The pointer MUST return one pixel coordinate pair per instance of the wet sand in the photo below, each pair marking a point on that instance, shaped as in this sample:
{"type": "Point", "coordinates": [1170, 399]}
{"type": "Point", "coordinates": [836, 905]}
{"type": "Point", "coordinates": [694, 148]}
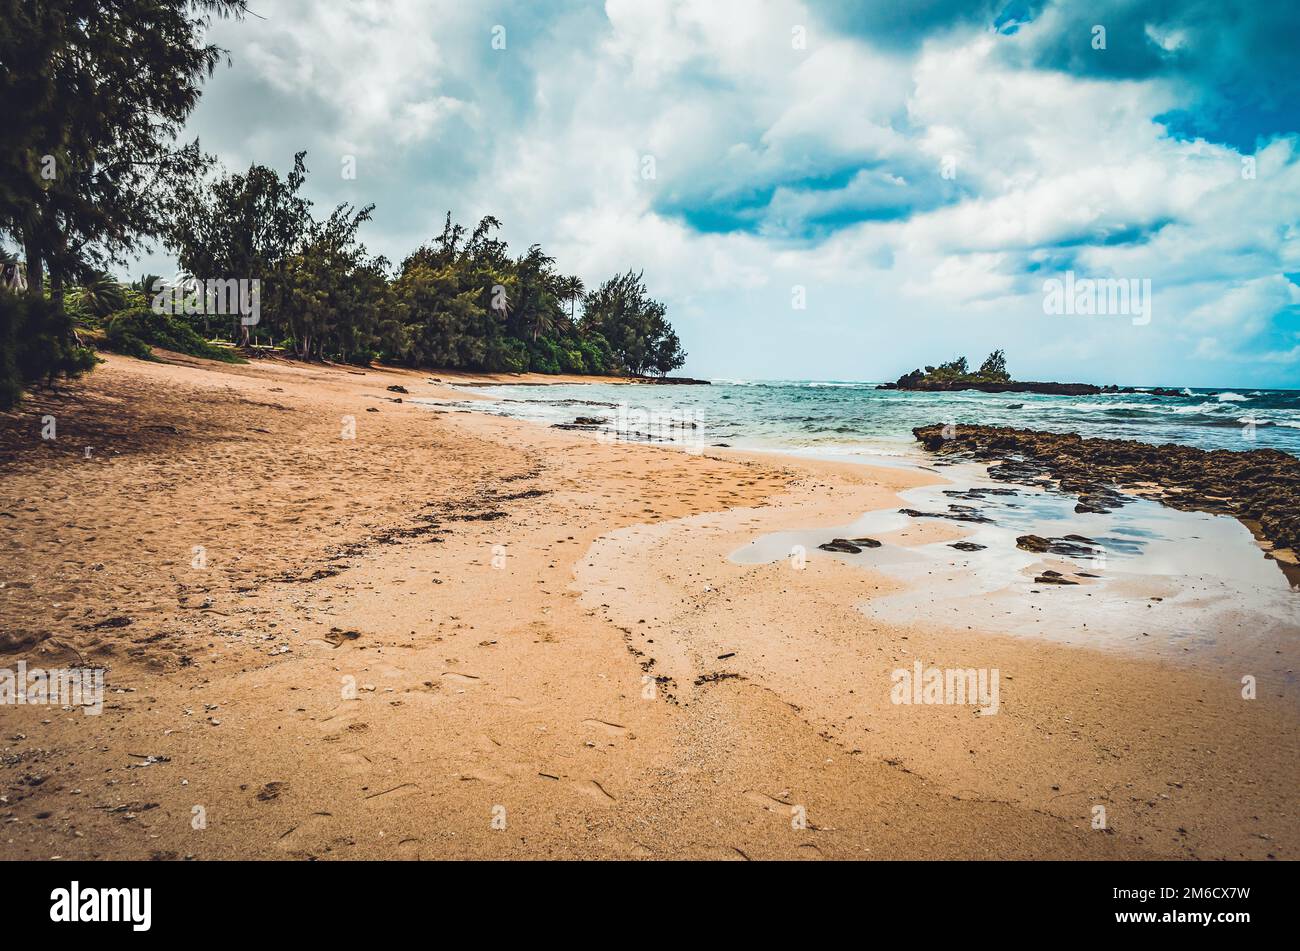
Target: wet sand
{"type": "Point", "coordinates": [459, 635]}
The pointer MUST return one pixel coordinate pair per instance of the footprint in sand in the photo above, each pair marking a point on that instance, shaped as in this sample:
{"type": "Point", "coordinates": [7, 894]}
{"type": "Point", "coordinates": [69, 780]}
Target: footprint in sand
{"type": "Point", "coordinates": [594, 789]}
{"type": "Point", "coordinates": [520, 704]}
{"type": "Point", "coordinates": [340, 720]}
{"type": "Point", "coordinates": [768, 803]}
{"type": "Point", "coordinates": [311, 832]}
{"type": "Point", "coordinates": [408, 850]}
{"type": "Point", "coordinates": [613, 729]}
{"type": "Point", "coordinates": [356, 762]}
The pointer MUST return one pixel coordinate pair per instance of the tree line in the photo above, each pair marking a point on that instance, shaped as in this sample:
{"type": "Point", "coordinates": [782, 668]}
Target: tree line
{"type": "Point", "coordinates": [92, 170]}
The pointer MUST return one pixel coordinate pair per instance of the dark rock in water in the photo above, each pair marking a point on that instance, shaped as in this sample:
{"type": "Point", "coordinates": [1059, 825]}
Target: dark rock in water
{"type": "Point", "coordinates": [1052, 577]}
{"type": "Point", "coordinates": [1096, 499]}
{"type": "Point", "coordinates": [1034, 543]}
{"type": "Point", "coordinates": [968, 546]}
{"type": "Point", "coordinates": [1019, 470]}
{"type": "Point", "coordinates": [841, 545]}
{"type": "Point", "coordinates": [1016, 406]}
{"type": "Point", "coordinates": [1069, 547]}
{"type": "Point", "coordinates": [849, 546]}
{"type": "Point", "coordinates": [586, 423]}
{"type": "Point", "coordinates": [1259, 486]}
{"type": "Point", "coordinates": [395, 388]}
{"type": "Point", "coordinates": [1086, 574]}
{"type": "Point", "coordinates": [958, 516]}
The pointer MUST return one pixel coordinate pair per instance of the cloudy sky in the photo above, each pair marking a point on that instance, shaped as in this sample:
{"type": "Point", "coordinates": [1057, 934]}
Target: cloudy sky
{"type": "Point", "coordinates": [918, 170]}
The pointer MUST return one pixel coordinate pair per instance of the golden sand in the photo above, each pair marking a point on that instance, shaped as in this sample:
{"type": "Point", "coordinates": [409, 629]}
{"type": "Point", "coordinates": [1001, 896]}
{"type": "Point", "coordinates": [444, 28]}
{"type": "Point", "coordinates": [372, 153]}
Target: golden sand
{"type": "Point", "coordinates": [433, 641]}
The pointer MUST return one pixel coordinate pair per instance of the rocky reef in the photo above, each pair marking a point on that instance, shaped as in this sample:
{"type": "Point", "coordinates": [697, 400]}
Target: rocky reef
{"type": "Point", "coordinates": [1261, 487]}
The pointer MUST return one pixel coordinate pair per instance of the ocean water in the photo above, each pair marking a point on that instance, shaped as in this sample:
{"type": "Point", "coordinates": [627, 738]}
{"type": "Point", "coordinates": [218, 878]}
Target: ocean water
{"type": "Point", "coordinates": [847, 418]}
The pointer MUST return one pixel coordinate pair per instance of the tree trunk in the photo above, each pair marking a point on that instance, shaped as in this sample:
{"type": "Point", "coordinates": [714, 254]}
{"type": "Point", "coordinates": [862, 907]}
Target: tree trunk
{"type": "Point", "coordinates": [35, 270]}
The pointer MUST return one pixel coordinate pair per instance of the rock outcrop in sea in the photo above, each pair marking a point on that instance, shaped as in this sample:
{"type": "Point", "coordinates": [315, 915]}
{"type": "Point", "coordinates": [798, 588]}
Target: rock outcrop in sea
{"type": "Point", "coordinates": [917, 380]}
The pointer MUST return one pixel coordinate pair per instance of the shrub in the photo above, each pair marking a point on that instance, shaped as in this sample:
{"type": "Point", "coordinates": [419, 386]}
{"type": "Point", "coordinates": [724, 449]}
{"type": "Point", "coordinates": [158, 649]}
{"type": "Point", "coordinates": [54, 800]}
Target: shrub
{"type": "Point", "coordinates": [36, 343]}
{"type": "Point", "coordinates": [505, 355]}
{"type": "Point", "coordinates": [134, 332]}
{"type": "Point", "coordinates": [596, 354]}
{"type": "Point", "coordinates": [543, 356]}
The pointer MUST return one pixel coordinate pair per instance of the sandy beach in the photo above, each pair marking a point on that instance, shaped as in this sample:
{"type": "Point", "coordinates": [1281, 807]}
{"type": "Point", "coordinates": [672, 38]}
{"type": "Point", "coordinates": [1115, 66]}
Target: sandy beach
{"type": "Point", "coordinates": [458, 635]}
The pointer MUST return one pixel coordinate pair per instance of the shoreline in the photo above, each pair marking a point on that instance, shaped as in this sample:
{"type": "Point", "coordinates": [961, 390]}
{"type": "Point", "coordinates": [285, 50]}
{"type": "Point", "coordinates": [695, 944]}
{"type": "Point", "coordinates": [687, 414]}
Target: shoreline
{"type": "Point", "coordinates": [521, 686]}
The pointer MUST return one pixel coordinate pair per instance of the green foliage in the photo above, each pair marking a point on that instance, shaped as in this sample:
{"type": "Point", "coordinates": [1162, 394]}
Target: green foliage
{"type": "Point", "coordinates": [459, 302]}
{"type": "Point", "coordinates": [597, 357]}
{"type": "Point", "coordinates": [96, 298]}
{"type": "Point", "coordinates": [92, 168]}
{"type": "Point", "coordinates": [95, 97]}
{"type": "Point", "coordinates": [994, 368]}
{"type": "Point", "coordinates": [135, 332]}
{"type": "Point", "coordinates": [463, 302]}
{"type": "Point", "coordinates": [633, 324]}
{"type": "Point", "coordinates": [103, 93]}
{"type": "Point", "coordinates": [95, 100]}
{"type": "Point", "coordinates": [36, 344]}
{"type": "Point", "coordinates": [952, 370]}
{"type": "Point", "coordinates": [335, 293]}
{"type": "Point", "coordinates": [245, 227]}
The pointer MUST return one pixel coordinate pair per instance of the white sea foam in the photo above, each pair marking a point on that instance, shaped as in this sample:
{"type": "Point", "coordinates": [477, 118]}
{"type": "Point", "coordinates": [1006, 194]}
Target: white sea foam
{"type": "Point", "coordinates": [1154, 407]}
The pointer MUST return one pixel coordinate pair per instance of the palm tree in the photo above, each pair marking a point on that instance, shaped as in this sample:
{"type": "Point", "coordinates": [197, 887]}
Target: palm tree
{"type": "Point", "coordinates": [543, 319]}
{"type": "Point", "coordinates": [102, 294]}
{"type": "Point", "coordinates": [146, 284]}
{"type": "Point", "coordinates": [570, 288]}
